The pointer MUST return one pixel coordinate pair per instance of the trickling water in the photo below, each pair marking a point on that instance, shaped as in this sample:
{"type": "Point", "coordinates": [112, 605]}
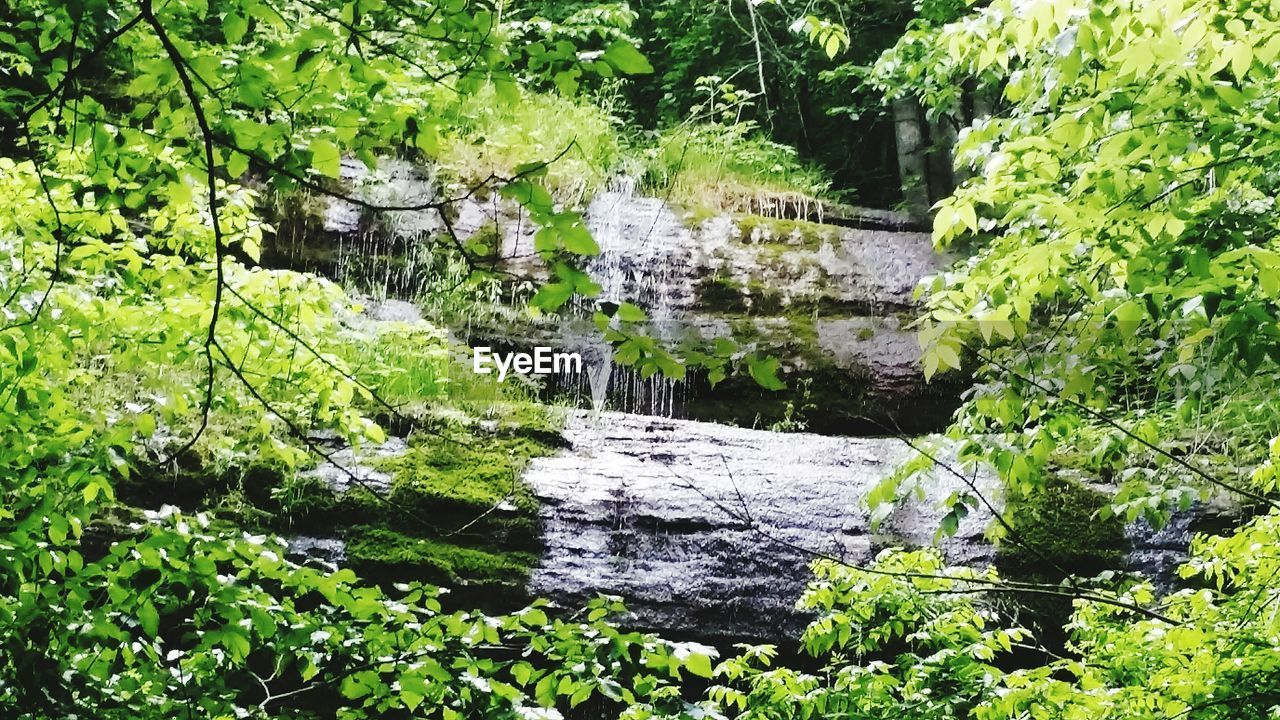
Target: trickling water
{"type": "Point", "coordinates": [380, 254]}
{"type": "Point", "coordinates": [670, 513]}
{"type": "Point", "coordinates": [644, 255]}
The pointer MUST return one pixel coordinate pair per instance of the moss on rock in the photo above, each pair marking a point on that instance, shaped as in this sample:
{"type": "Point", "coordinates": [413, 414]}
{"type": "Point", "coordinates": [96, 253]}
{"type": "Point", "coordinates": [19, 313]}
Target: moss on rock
{"type": "Point", "coordinates": [783, 234]}
{"type": "Point", "coordinates": [382, 553]}
{"type": "Point", "coordinates": [1059, 532]}
{"type": "Point", "coordinates": [721, 293]}
{"type": "Point", "coordinates": [457, 513]}
{"type": "Point", "coordinates": [1059, 525]}
{"type": "Point", "coordinates": [472, 469]}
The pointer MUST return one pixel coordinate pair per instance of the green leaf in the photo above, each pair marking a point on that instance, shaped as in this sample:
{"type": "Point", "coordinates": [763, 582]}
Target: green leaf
{"type": "Point", "coordinates": [566, 81]}
{"type": "Point", "coordinates": [326, 159]}
{"type": "Point", "coordinates": [625, 58]}
{"type": "Point", "coordinates": [669, 366]}
{"type": "Point", "coordinates": [947, 356]}
{"type": "Point", "coordinates": [628, 312]}
{"type": "Point", "coordinates": [765, 372]}
{"type": "Point", "coordinates": [699, 664]}
{"type": "Point", "coordinates": [149, 618]}
{"type": "Point", "coordinates": [577, 239]}
{"type": "Point", "coordinates": [234, 26]}
{"type": "Point", "coordinates": [534, 197]}
{"type": "Point", "coordinates": [146, 424]}
{"type": "Point", "coordinates": [552, 296]}
{"type": "Point", "coordinates": [1130, 314]}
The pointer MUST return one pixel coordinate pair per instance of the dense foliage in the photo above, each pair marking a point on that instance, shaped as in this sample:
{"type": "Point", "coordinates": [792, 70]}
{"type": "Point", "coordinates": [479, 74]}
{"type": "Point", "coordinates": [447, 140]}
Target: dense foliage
{"type": "Point", "coordinates": [139, 333]}
{"type": "Point", "coordinates": [1117, 306]}
{"type": "Point", "coordinates": [1119, 312]}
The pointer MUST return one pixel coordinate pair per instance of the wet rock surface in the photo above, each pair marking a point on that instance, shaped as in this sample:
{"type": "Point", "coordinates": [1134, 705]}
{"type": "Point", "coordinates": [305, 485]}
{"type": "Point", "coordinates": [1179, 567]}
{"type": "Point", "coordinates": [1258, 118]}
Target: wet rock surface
{"type": "Point", "coordinates": [346, 468]}
{"type": "Point", "coordinates": [705, 529]}
{"type": "Point", "coordinates": [831, 302]}
{"type": "Point", "coordinates": [829, 298]}
{"type": "Point", "coordinates": [774, 265]}
{"type": "Point", "coordinates": [708, 530]}
{"type": "Point", "coordinates": [1157, 554]}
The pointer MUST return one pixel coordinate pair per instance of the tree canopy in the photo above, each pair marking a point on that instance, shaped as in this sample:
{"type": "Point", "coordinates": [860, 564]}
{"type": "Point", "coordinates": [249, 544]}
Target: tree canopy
{"type": "Point", "coordinates": [1116, 302]}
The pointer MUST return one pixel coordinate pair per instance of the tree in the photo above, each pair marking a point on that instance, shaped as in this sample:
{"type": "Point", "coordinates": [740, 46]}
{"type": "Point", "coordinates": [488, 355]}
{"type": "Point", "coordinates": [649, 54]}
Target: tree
{"type": "Point", "coordinates": [1117, 306]}
{"type": "Point", "coordinates": [137, 330]}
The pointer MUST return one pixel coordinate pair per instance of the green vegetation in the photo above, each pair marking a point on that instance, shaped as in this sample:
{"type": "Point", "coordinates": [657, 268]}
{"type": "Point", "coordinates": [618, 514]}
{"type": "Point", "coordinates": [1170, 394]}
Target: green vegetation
{"type": "Point", "coordinates": [707, 167]}
{"type": "Point", "coordinates": [165, 395]}
{"type": "Point", "coordinates": [730, 168]}
{"type": "Point", "coordinates": [491, 136]}
{"type": "Point", "coordinates": [404, 363]}
{"type": "Point", "coordinates": [1065, 523]}
{"type": "Point", "coordinates": [382, 553]}
{"type": "Point", "coordinates": [795, 70]}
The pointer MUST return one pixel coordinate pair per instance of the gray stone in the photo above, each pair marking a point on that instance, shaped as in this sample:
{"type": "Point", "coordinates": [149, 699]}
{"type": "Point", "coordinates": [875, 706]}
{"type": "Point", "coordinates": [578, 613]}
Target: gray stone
{"type": "Point", "coordinates": [329, 551]}
{"type": "Point", "coordinates": [708, 530]}
{"type": "Point", "coordinates": [349, 468]}
{"type": "Point", "coordinates": [391, 310]}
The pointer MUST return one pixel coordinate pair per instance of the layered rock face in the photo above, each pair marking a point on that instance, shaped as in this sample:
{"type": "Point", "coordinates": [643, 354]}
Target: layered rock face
{"type": "Point", "coordinates": [830, 301]}
{"type": "Point", "coordinates": [707, 530]}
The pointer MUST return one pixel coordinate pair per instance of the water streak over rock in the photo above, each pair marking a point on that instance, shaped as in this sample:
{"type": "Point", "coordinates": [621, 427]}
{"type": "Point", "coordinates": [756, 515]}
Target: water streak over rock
{"type": "Point", "coordinates": [708, 530]}
{"type": "Point", "coordinates": [829, 301]}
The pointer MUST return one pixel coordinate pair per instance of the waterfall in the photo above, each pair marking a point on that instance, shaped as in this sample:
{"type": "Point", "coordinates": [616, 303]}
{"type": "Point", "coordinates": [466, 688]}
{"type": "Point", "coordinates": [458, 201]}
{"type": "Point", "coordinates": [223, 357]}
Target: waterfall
{"type": "Point", "coordinates": [377, 254]}
{"type": "Point", "coordinates": [644, 256]}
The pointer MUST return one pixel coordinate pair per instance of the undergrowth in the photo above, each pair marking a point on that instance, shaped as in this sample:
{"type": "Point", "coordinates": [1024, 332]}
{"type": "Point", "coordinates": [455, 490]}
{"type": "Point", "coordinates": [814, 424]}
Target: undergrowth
{"type": "Point", "coordinates": [731, 168]}
{"type": "Point", "coordinates": [706, 166]}
{"type": "Point", "coordinates": [497, 135]}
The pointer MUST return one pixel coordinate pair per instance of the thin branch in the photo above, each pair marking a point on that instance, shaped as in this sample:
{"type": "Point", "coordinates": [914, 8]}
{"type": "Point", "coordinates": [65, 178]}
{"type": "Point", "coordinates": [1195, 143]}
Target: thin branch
{"type": "Point", "coordinates": [180, 67]}
{"type": "Point", "coordinates": [1244, 492]}
{"type": "Point", "coordinates": [88, 58]}
{"type": "Point", "coordinates": [298, 432]}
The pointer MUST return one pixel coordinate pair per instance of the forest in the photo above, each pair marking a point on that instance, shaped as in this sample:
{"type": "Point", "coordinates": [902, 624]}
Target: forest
{"type": "Point", "coordinates": [924, 358]}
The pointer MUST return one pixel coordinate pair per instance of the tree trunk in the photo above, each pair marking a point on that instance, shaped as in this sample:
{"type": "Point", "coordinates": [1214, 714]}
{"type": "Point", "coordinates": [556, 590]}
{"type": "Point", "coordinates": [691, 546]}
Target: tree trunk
{"type": "Point", "coordinates": [913, 168]}
{"type": "Point", "coordinates": [940, 158]}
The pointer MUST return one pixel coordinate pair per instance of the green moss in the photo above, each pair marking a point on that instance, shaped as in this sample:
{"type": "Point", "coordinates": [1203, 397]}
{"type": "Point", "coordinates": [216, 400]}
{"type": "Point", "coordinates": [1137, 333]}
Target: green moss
{"type": "Point", "coordinates": [719, 291]}
{"type": "Point", "coordinates": [793, 334]}
{"type": "Point", "coordinates": [259, 497]}
{"type": "Point", "coordinates": [470, 470]}
{"type": "Point", "coordinates": [782, 235]}
{"type": "Point", "coordinates": [726, 295]}
{"type": "Point", "coordinates": [696, 215]}
{"type": "Point", "coordinates": [381, 553]}
{"type": "Point", "coordinates": [804, 331]}
{"type": "Point", "coordinates": [457, 513]}
{"type": "Point", "coordinates": [1058, 533]}
{"type": "Point", "coordinates": [1058, 525]}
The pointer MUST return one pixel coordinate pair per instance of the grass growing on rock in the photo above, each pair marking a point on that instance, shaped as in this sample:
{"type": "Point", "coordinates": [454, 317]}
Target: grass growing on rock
{"type": "Point", "coordinates": [730, 168]}
{"type": "Point", "coordinates": [781, 235]}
